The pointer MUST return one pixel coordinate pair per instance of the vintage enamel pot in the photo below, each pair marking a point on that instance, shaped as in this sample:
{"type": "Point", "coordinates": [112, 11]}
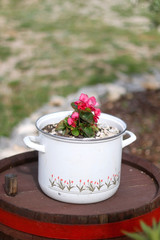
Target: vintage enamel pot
{"type": "Point", "coordinates": [78, 170]}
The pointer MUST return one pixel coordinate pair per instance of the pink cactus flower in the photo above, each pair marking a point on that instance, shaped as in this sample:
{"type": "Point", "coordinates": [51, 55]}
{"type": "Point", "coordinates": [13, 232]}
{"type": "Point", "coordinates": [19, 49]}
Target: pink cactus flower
{"type": "Point", "coordinates": [97, 112]}
{"type": "Point", "coordinates": [92, 102]}
{"type": "Point", "coordinates": [96, 118]}
{"type": "Point", "coordinates": [74, 124]}
{"type": "Point", "coordinates": [82, 106]}
{"type": "Point", "coordinates": [70, 121]}
{"type": "Point", "coordinates": [77, 102]}
{"type": "Point", "coordinates": [75, 115]}
{"type": "Point", "coordinates": [83, 98]}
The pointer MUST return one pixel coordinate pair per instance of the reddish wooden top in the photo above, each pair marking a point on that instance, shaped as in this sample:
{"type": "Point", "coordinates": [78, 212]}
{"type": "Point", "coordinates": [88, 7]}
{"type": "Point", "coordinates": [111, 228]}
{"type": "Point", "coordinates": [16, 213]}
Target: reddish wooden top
{"type": "Point", "coordinates": [139, 193]}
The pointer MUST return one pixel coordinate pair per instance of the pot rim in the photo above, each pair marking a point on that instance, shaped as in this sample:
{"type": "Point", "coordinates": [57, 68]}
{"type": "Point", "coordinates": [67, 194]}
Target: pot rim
{"type": "Point", "coordinates": [64, 138]}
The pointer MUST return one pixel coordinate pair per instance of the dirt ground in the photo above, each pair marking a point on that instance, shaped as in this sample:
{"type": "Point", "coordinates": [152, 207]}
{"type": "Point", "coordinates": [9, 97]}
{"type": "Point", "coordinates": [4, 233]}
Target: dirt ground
{"type": "Point", "coordinates": [141, 112]}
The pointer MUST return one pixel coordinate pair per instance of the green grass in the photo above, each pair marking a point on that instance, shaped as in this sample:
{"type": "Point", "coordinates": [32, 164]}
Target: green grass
{"type": "Point", "coordinates": [123, 10]}
{"type": "Point", "coordinates": [98, 78]}
{"type": "Point", "coordinates": [128, 64]}
{"type": "Point", "coordinates": [56, 47]}
{"type": "Point", "coordinates": [21, 105]}
{"type": "Point", "coordinates": [24, 65]}
{"type": "Point", "coordinates": [5, 52]}
{"type": "Point", "coordinates": [66, 90]}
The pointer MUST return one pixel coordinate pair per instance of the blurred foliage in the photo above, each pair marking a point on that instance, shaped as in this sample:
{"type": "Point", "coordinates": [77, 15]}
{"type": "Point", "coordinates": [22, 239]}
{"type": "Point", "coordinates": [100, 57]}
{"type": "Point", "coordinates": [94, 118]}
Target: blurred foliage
{"type": "Point", "coordinates": [154, 7]}
{"type": "Point", "coordinates": [147, 233]}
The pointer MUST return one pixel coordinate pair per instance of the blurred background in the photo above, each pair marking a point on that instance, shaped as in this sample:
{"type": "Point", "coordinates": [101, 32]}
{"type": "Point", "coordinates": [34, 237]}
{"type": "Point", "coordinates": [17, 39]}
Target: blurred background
{"type": "Point", "coordinates": [54, 48]}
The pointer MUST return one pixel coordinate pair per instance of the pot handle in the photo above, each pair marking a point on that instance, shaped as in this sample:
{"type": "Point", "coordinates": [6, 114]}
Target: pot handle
{"type": "Point", "coordinates": [129, 140]}
{"type": "Point", "coordinates": [31, 142]}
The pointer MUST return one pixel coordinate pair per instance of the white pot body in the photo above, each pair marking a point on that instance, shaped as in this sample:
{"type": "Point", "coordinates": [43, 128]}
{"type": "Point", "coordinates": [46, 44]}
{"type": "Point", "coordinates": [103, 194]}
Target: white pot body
{"type": "Point", "coordinates": [79, 170]}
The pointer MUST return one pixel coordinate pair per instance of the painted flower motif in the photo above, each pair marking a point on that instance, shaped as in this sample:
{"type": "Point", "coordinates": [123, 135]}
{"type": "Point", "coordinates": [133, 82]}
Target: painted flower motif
{"type": "Point", "coordinates": [81, 186]}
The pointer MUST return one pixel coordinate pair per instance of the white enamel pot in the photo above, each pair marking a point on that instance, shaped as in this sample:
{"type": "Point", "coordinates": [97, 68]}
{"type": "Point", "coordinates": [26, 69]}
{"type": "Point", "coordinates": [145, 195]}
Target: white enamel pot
{"type": "Point", "coordinates": [79, 170]}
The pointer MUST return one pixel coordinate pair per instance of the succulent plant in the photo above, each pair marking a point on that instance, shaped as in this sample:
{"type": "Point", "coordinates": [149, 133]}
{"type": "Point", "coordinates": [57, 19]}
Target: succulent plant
{"type": "Point", "coordinates": [147, 233]}
{"type": "Point", "coordinates": [83, 120]}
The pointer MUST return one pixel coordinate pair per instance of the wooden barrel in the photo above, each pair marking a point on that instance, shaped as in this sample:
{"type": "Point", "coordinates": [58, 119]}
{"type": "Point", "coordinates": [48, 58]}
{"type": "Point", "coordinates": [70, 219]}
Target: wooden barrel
{"type": "Point", "coordinates": [32, 215]}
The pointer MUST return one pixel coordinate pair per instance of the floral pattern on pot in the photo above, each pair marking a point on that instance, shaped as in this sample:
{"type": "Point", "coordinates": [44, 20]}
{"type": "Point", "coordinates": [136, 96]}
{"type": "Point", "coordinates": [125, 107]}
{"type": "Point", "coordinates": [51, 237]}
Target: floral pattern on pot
{"type": "Point", "coordinates": [83, 186]}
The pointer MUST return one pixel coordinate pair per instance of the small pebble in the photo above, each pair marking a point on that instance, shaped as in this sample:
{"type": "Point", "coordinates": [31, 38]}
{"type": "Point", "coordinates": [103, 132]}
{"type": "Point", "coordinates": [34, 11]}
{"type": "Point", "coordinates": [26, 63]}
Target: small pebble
{"type": "Point", "coordinates": [104, 131]}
